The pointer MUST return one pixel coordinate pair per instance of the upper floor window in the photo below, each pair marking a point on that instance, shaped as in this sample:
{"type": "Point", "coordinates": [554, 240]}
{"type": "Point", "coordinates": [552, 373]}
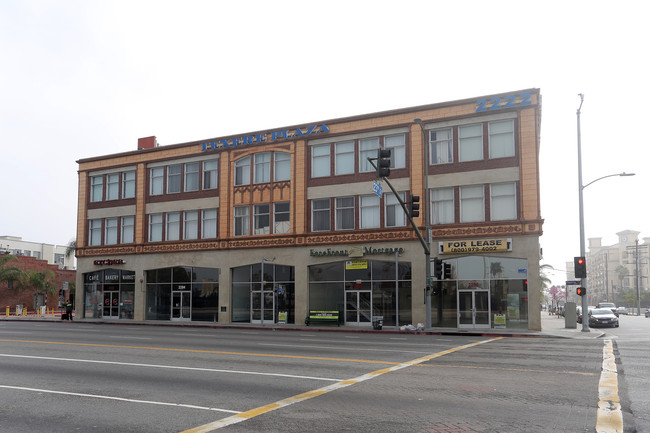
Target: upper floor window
{"type": "Point", "coordinates": [472, 203]}
{"type": "Point", "coordinates": [242, 220]}
{"type": "Point", "coordinates": [243, 171]}
{"type": "Point", "coordinates": [370, 215]}
{"type": "Point", "coordinates": [96, 188]}
{"type": "Point", "coordinates": [344, 157]}
{"type": "Point", "coordinates": [174, 178]}
{"type": "Point", "coordinates": [173, 226]}
{"type": "Point", "coordinates": [368, 149]}
{"type": "Point", "coordinates": [208, 223]}
{"type": "Point", "coordinates": [191, 224]}
{"type": "Point", "coordinates": [441, 146]}
{"type": "Point", "coordinates": [263, 167]}
{"type": "Point", "coordinates": [320, 215]}
{"type": "Point", "coordinates": [127, 229]}
{"type": "Point", "coordinates": [344, 217]}
{"type": "Point", "coordinates": [503, 203]}
{"type": "Point", "coordinates": [112, 186]}
{"type": "Point", "coordinates": [501, 138]}
{"type": "Point", "coordinates": [155, 227]}
{"type": "Point", "coordinates": [210, 174]}
{"type": "Point", "coordinates": [470, 142]}
{"type": "Point", "coordinates": [397, 146]}
{"type": "Point", "coordinates": [282, 168]}
{"type": "Point", "coordinates": [157, 177]}
{"type": "Point", "coordinates": [262, 219]}
{"type": "Point", "coordinates": [442, 205]}
{"type": "Point", "coordinates": [110, 231]}
{"type": "Point", "coordinates": [320, 160]}
{"type": "Point", "coordinates": [281, 218]}
{"type": "Point", "coordinates": [95, 232]}
{"type": "Point", "coordinates": [191, 177]}
{"type": "Point", "coordinates": [128, 184]}
{"type": "Point", "coordinates": [393, 213]}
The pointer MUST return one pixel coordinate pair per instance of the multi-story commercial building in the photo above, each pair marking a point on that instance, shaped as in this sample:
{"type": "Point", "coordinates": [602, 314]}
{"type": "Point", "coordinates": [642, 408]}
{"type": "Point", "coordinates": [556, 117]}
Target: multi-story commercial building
{"type": "Point", "coordinates": [266, 226]}
{"type": "Point", "coordinates": [53, 254]}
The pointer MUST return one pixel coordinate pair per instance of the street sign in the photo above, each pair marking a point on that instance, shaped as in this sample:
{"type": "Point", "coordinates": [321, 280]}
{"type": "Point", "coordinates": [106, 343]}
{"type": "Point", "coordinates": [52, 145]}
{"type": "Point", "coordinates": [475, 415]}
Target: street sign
{"type": "Point", "coordinates": [377, 189]}
{"type": "Point", "coordinates": [573, 283]}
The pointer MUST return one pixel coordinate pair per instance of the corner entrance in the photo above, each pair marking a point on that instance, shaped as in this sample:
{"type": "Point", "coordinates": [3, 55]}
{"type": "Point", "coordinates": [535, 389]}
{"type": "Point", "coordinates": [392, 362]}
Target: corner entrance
{"type": "Point", "coordinates": [473, 309]}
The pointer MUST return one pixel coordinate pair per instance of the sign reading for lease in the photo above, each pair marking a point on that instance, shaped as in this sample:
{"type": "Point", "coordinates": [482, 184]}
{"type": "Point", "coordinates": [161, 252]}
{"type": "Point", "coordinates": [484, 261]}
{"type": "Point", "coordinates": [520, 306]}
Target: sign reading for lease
{"type": "Point", "coordinates": [475, 246]}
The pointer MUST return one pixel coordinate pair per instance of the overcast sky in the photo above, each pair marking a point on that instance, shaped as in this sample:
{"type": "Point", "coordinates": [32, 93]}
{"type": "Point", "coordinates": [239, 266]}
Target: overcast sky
{"type": "Point", "coordinates": [87, 78]}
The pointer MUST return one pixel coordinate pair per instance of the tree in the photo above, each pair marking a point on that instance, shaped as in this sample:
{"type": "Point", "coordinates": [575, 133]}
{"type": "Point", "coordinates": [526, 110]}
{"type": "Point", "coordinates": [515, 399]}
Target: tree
{"type": "Point", "coordinates": [39, 281]}
{"type": "Point", "coordinates": [71, 249]}
{"type": "Point", "coordinates": [9, 274]}
{"type": "Point", "coordinates": [622, 272]}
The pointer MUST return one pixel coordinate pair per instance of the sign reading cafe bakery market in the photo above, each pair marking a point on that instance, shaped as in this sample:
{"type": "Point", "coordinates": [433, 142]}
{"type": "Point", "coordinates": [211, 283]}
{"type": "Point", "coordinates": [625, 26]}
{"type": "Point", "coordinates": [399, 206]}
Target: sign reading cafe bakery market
{"type": "Point", "coordinates": [265, 137]}
{"type": "Point", "coordinates": [465, 246]}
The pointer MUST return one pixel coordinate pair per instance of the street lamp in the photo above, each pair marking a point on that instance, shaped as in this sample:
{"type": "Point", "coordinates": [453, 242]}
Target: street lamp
{"type": "Point", "coordinates": [581, 187]}
{"type": "Point", "coordinates": [427, 228]}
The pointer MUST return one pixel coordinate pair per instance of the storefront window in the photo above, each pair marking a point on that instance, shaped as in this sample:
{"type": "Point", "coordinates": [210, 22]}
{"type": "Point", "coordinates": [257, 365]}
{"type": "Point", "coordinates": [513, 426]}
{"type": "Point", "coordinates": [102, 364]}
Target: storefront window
{"type": "Point", "coordinates": [108, 294]}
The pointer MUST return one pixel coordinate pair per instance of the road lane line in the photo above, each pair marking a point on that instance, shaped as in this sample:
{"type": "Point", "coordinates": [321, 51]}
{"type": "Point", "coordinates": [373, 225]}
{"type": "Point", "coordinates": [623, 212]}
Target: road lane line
{"type": "Point", "coordinates": [609, 418]}
{"type": "Point", "coordinates": [173, 367]}
{"type": "Point", "coordinates": [215, 352]}
{"type": "Point", "coordinates": [234, 419]}
{"type": "Point", "coordinates": [128, 400]}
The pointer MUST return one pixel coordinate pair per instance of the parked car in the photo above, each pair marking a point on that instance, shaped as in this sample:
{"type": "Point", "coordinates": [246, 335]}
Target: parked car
{"type": "Point", "coordinates": [602, 317]}
{"type": "Point", "coordinates": [579, 312]}
{"type": "Point", "coordinates": [609, 305]}
{"type": "Point", "coordinates": [621, 310]}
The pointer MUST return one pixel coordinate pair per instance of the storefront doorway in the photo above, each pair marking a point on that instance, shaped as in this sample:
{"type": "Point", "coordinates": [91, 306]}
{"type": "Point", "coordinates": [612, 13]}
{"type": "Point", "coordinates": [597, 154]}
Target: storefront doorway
{"type": "Point", "coordinates": [111, 304]}
{"type": "Point", "coordinates": [181, 305]}
{"type": "Point", "coordinates": [262, 303]}
{"type": "Point", "coordinates": [358, 307]}
{"type": "Point", "coordinates": [473, 308]}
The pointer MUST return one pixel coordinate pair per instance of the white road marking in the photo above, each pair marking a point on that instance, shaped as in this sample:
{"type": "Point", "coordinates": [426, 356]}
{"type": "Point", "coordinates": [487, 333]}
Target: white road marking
{"type": "Point", "coordinates": [129, 400]}
{"type": "Point", "coordinates": [174, 367]}
{"type": "Point", "coordinates": [356, 349]}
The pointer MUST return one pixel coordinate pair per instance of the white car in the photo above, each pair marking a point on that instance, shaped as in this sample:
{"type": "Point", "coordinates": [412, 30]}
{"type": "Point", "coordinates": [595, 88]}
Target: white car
{"type": "Point", "coordinates": [622, 310]}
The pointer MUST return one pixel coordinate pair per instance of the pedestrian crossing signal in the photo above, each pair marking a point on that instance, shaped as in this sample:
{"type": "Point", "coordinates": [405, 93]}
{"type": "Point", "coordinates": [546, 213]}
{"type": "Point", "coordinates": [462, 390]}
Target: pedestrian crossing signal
{"type": "Point", "coordinates": [581, 291]}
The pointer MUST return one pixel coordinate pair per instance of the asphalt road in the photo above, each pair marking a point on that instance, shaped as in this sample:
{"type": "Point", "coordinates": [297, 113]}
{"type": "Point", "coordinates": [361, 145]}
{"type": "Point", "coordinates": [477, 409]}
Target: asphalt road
{"type": "Point", "coordinates": [84, 377]}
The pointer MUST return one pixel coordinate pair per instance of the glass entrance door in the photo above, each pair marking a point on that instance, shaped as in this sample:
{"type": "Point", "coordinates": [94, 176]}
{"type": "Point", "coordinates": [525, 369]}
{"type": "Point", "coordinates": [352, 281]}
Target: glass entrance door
{"type": "Point", "coordinates": [266, 299]}
{"type": "Point", "coordinates": [358, 307]}
{"type": "Point", "coordinates": [111, 304]}
{"type": "Point", "coordinates": [473, 309]}
{"type": "Point", "coordinates": [181, 302]}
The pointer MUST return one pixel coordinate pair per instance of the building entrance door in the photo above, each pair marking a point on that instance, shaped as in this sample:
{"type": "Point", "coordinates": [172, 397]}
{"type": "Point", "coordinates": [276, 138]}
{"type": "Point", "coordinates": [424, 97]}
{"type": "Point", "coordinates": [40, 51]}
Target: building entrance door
{"type": "Point", "coordinates": [262, 301]}
{"type": "Point", "coordinates": [111, 304]}
{"type": "Point", "coordinates": [358, 307]}
{"type": "Point", "coordinates": [181, 302]}
{"type": "Point", "coordinates": [473, 309]}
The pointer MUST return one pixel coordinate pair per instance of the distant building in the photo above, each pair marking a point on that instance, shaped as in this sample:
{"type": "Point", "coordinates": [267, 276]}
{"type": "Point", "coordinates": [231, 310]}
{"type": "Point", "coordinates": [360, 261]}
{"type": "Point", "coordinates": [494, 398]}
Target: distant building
{"type": "Point", "coordinates": [53, 254]}
{"type": "Point", "coordinates": [30, 299]}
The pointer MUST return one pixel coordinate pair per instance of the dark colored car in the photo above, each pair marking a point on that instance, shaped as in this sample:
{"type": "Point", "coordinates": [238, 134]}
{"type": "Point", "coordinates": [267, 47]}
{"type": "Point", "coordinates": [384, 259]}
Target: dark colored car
{"type": "Point", "coordinates": [609, 305]}
{"type": "Point", "coordinates": [602, 317]}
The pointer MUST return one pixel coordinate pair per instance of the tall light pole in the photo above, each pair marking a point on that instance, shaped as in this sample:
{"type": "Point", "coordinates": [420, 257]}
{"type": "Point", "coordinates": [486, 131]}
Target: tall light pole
{"type": "Point", "coordinates": [427, 227]}
{"type": "Point", "coordinates": [583, 281]}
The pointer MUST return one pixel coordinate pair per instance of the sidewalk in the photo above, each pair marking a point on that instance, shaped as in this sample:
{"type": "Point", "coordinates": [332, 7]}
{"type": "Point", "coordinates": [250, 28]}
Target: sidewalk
{"type": "Point", "coordinates": [552, 326]}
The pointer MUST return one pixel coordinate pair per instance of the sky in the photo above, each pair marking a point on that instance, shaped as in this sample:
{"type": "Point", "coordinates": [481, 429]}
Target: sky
{"type": "Point", "coordinates": [80, 79]}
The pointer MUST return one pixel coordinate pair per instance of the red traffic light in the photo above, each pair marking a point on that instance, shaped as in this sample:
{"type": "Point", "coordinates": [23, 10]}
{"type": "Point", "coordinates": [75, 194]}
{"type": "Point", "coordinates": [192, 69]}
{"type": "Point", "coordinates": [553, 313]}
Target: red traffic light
{"type": "Point", "coordinates": [581, 291]}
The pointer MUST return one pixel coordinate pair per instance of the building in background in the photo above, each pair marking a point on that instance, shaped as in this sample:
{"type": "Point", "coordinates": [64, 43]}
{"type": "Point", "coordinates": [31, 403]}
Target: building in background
{"type": "Point", "coordinates": [267, 226]}
{"type": "Point", "coordinates": [53, 254]}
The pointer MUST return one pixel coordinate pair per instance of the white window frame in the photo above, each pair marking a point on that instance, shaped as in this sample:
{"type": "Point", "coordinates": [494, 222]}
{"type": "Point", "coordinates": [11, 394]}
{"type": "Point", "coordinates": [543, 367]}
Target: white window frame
{"type": "Point", "coordinates": [110, 231]}
{"type": "Point", "coordinates": [344, 207]}
{"type": "Point", "coordinates": [191, 177]}
{"type": "Point", "coordinates": [209, 224]}
{"type": "Point", "coordinates": [442, 205]}
{"type": "Point", "coordinates": [397, 146]}
{"type": "Point", "coordinates": [96, 188]}
{"type": "Point", "coordinates": [155, 227]}
{"type": "Point", "coordinates": [441, 150]}
{"type": "Point", "coordinates": [190, 224]}
{"type": "Point", "coordinates": [173, 226]}
{"type": "Point", "coordinates": [393, 211]}
{"type": "Point", "coordinates": [368, 148]}
{"type": "Point", "coordinates": [501, 140]}
{"type": "Point", "coordinates": [472, 203]}
{"type": "Point", "coordinates": [503, 201]}
{"type": "Point", "coordinates": [470, 144]}
{"type": "Point", "coordinates": [344, 157]}
{"type": "Point", "coordinates": [157, 181]}
{"type": "Point", "coordinates": [128, 184]}
{"type": "Point", "coordinates": [320, 160]}
{"type": "Point", "coordinates": [94, 232]}
{"type": "Point", "coordinates": [262, 167]}
{"type": "Point", "coordinates": [241, 224]}
{"type": "Point", "coordinates": [112, 186]}
{"type": "Point", "coordinates": [210, 174]}
{"type": "Point", "coordinates": [370, 214]}
{"type": "Point", "coordinates": [127, 229]}
{"type": "Point", "coordinates": [243, 171]}
{"type": "Point", "coordinates": [318, 207]}
{"type": "Point", "coordinates": [281, 166]}
{"type": "Point", "coordinates": [174, 178]}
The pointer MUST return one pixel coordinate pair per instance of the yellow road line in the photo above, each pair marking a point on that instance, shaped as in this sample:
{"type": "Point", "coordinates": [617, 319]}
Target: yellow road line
{"type": "Point", "coordinates": [609, 418]}
{"type": "Point", "coordinates": [320, 391]}
{"type": "Point", "coordinates": [217, 352]}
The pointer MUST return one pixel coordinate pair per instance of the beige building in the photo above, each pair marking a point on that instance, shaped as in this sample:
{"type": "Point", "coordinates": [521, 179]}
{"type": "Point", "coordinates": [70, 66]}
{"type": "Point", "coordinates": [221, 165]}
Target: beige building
{"type": "Point", "coordinates": [271, 226]}
{"type": "Point", "coordinates": [53, 254]}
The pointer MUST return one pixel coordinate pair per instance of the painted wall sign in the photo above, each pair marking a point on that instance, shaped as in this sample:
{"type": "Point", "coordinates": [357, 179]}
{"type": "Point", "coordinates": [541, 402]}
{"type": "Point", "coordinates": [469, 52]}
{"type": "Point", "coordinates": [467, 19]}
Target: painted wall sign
{"type": "Point", "coordinates": [366, 251]}
{"type": "Point", "coordinates": [497, 103]}
{"type": "Point", "coordinates": [475, 246]}
{"type": "Point", "coordinates": [109, 262]}
{"type": "Point", "coordinates": [265, 137]}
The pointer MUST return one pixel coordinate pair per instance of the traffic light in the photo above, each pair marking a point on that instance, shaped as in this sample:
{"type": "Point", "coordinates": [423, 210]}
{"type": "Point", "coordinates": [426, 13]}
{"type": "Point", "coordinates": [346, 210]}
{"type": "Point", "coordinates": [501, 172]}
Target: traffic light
{"type": "Point", "coordinates": [446, 271]}
{"type": "Point", "coordinates": [581, 291]}
{"type": "Point", "coordinates": [383, 163]}
{"type": "Point", "coordinates": [414, 206]}
{"type": "Point", "coordinates": [435, 290]}
{"type": "Point", "coordinates": [580, 267]}
{"type": "Point", "coordinates": [437, 268]}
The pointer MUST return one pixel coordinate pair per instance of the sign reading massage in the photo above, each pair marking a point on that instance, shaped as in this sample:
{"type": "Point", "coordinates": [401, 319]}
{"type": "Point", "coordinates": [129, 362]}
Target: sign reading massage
{"type": "Point", "coordinates": [265, 137]}
{"type": "Point", "coordinates": [475, 246]}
